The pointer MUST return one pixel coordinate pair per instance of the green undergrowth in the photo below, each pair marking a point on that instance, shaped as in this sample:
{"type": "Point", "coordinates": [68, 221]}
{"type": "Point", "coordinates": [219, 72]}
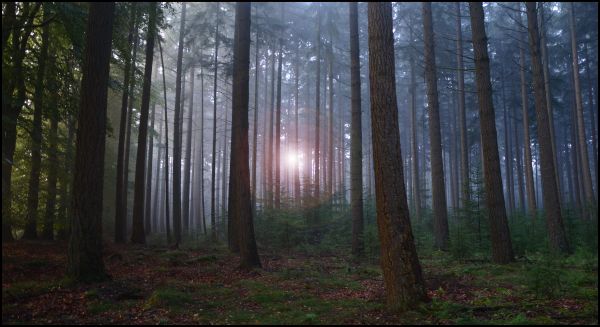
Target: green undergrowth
{"type": "Point", "coordinates": [168, 297]}
{"type": "Point", "coordinates": [25, 289]}
{"type": "Point", "coordinates": [199, 284]}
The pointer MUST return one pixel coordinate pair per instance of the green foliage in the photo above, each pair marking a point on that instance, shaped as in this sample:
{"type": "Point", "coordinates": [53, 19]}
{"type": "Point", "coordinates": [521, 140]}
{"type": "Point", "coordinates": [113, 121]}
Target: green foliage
{"type": "Point", "coordinates": [91, 294]}
{"type": "Point", "coordinates": [168, 297]}
{"type": "Point", "coordinates": [322, 229]}
{"type": "Point", "coordinates": [544, 281]}
{"type": "Point", "coordinates": [445, 310]}
{"type": "Point", "coordinates": [97, 307]}
{"type": "Point", "coordinates": [25, 289]}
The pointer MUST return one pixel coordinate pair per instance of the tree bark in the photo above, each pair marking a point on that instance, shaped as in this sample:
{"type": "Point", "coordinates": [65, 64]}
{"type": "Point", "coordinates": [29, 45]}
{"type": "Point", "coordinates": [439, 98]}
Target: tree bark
{"type": "Point", "coordinates": [402, 274]}
{"type": "Point", "coordinates": [416, 189]}
{"type": "Point", "coordinates": [120, 205]}
{"type": "Point", "coordinates": [519, 163]}
{"type": "Point", "coordinates": [166, 173]}
{"type": "Point", "coordinates": [438, 188]}
{"type": "Point", "coordinates": [240, 203]}
{"type": "Point", "coordinates": [36, 137]}
{"type": "Point", "coordinates": [583, 151]}
{"type": "Point", "coordinates": [202, 150]}
{"type": "Point", "coordinates": [330, 157]}
{"type": "Point", "coordinates": [554, 223]}
{"type": "Point", "coordinates": [278, 124]}
{"type": "Point", "coordinates": [138, 234]}
{"type": "Point", "coordinates": [574, 152]}
{"type": "Point", "coordinates": [265, 133]}
{"type": "Point", "coordinates": [155, 212]}
{"type": "Point", "coordinates": [187, 163]}
{"type": "Point", "coordinates": [214, 139]}
{"type": "Point", "coordinates": [127, 153]}
{"type": "Point", "coordinates": [544, 52]}
{"type": "Point", "coordinates": [270, 137]}
{"type": "Point", "coordinates": [499, 233]}
{"type": "Point", "coordinates": [50, 209]}
{"type": "Point", "coordinates": [318, 107]}
{"type": "Point", "coordinates": [297, 194]}
{"type": "Point", "coordinates": [85, 244]}
{"type": "Point", "coordinates": [529, 185]}
{"type": "Point", "coordinates": [177, 136]}
{"type": "Point", "coordinates": [507, 150]}
{"type": "Point", "coordinates": [356, 137]}
{"type": "Point", "coordinates": [223, 178]}
{"type": "Point", "coordinates": [591, 104]}
{"type": "Point", "coordinates": [255, 126]}
{"type": "Point", "coordinates": [148, 213]}
{"type": "Point", "coordinates": [462, 117]}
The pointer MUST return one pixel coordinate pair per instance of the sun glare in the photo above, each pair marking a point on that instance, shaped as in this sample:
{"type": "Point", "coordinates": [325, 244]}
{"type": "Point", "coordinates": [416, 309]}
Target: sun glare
{"type": "Point", "coordinates": [293, 159]}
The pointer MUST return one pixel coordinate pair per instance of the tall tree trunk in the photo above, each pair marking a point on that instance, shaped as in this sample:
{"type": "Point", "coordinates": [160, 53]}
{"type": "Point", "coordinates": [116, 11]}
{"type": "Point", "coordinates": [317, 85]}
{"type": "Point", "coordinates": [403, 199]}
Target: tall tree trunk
{"type": "Point", "coordinates": [462, 117]}
{"type": "Point", "coordinates": [330, 178]}
{"type": "Point", "coordinates": [181, 116]}
{"type": "Point", "coordinates": [240, 211]}
{"type": "Point", "coordinates": [574, 152]}
{"type": "Point", "coordinates": [148, 212]}
{"type": "Point", "coordinates": [440, 224]}
{"type": "Point", "coordinates": [50, 209]}
{"type": "Point", "coordinates": [341, 162]}
{"type": "Point", "coordinates": [576, 147]}
{"type": "Point", "coordinates": [157, 208]}
{"type": "Point", "coordinates": [590, 92]}
{"type": "Point", "coordinates": [155, 213]}
{"type": "Point", "coordinates": [507, 151]}
{"type": "Point", "coordinates": [255, 126]}
{"type": "Point", "coordinates": [36, 137]}
{"type": "Point", "coordinates": [323, 140]}
{"type": "Point", "coordinates": [120, 201]}
{"type": "Point", "coordinates": [530, 187]}
{"type": "Point", "coordinates": [544, 50]}
{"type": "Point", "coordinates": [202, 150]}
{"type": "Point", "coordinates": [193, 192]}
{"type": "Point", "coordinates": [318, 107]}
{"type": "Point", "coordinates": [519, 163]}
{"type": "Point", "coordinates": [224, 171]}
{"type": "Point", "coordinates": [265, 155]}
{"type": "Point", "coordinates": [85, 244]}
{"type": "Point", "coordinates": [129, 123]}
{"type": "Point", "coordinates": [554, 223]}
{"type": "Point", "coordinates": [416, 190]}
{"type": "Point", "coordinates": [138, 234]}
{"type": "Point", "coordinates": [499, 233]}
{"type": "Point", "coordinates": [297, 195]}
{"type": "Point", "coordinates": [270, 137]}
{"type": "Point", "coordinates": [67, 182]}
{"type": "Point", "coordinates": [307, 175]}
{"type": "Point", "coordinates": [456, 159]}
{"type": "Point", "coordinates": [402, 274]}
{"type": "Point", "coordinates": [278, 123]}
{"type": "Point", "coordinates": [452, 163]}
{"type": "Point", "coordinates": [583, 151]}
{"type": "Point", "coordinates": [167, 209]}
{"type": "Point", "coordinates": [187, 163]}
{"type": "Point", "coordinates": [214, 138]}
{"type": "Point", "coordinates": [356, 178]}
{"type": "Point", "coordinates": [177, 136]}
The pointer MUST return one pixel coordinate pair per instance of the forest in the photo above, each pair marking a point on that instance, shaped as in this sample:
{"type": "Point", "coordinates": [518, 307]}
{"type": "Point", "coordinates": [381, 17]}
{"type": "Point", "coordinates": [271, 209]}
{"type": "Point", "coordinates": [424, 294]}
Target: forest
{"type": "Point", "coordinates": [299, 163]}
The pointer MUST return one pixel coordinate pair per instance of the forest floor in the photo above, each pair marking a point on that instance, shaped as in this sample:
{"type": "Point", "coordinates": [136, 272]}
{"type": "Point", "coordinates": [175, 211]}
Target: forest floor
{"type": "Point", "coordinates": [155, 285]}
